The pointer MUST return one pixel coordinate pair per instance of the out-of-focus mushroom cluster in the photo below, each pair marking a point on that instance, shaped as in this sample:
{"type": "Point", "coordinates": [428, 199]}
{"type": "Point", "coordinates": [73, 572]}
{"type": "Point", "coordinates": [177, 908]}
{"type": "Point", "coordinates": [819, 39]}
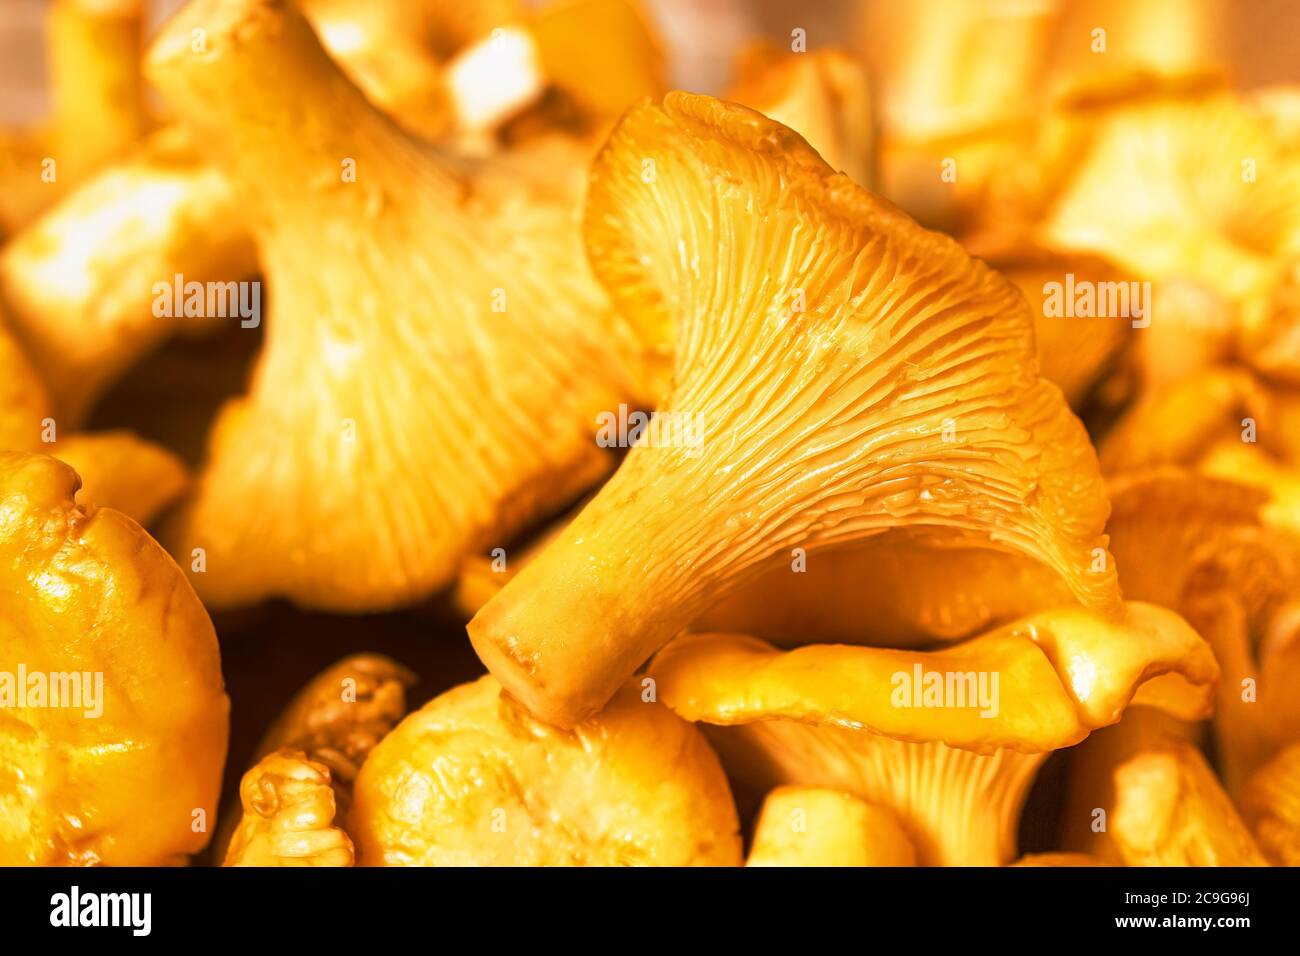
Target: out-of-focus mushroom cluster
{"type": "Point", "coordinates": [808, 461]}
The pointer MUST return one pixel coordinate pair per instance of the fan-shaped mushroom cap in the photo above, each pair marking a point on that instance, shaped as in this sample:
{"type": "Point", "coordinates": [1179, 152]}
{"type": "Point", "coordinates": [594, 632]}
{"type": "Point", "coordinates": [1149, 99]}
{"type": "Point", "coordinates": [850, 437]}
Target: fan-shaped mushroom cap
{"type": "Point", "coordinates": [837, 372]}
{"type": "Point", "coordinates": [949, 739]}
{"type": "Point", "coordinates": [472, 779]}
{"type": "Point", "coordinates": [88, 594]}
{"type": "Point", "coordinates": [813, 826]}
{"type": "Point", "coordinates": [436, 357]}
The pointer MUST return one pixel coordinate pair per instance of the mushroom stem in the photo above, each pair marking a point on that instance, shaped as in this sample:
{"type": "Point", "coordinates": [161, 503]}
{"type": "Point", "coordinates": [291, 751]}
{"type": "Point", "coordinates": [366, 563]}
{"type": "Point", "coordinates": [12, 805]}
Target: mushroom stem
{"type": "Point", "coordinates": [958, 807]}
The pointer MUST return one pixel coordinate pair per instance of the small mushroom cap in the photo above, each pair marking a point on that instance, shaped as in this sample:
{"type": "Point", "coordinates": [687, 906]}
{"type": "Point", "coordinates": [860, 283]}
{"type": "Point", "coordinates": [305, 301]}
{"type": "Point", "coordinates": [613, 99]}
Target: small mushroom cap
{"type": "Point", "coordinates": [88, 592]}
{"type": "Point", "coordinates": [288, 816]}
{"type": "Point", "coordinates": [471, 779]}
{"type": "Point", "coordinates": [814, 826]}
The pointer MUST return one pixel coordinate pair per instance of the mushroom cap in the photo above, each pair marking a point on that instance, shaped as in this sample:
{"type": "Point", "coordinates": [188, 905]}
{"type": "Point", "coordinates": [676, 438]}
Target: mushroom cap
{"type": "Point", "coordinates": [436, 354]}
{"type": "Point", "coordinates": [472, 779]}
{"type": "Point", "coordinates": [1191, 208]}
{"type": "Point", "coordinates": [87, 591]}
{"type": "Point", "coordinates": [288, 816]}
{"type": "Point", "coordinates": [814, 826]}
{"type": "Point", "coordinates": [1061, 674]}
{"type": "Point", "coordinates": [904, 394]}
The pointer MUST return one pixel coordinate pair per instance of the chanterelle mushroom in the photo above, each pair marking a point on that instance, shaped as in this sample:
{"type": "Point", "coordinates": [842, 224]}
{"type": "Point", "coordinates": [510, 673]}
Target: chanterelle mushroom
{"type": "Point", "coordinates": [949, 740]}
{"type": "Point", "coordinates": [127, 771]}
{"type": "Point", "coordinates": [436, 356]}
{"type": "Point", "coordinates": [318, 743]}
{"type": "Point", "coordinates": [836, 372]}
{"type": "Point", "coordinates": [472, 779]}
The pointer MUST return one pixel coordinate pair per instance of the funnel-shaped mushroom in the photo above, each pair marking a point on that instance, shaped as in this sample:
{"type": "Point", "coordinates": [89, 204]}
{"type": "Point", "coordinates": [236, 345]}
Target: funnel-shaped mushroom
{"type": "Point", "coordinates": [837, 372]}
{"type": "Point", "coordinates": [436, 357]}
{"type": "Point", "coordinates": [949, 740]}
{"type": "Point", "coordinates": [472, 779]}
{"type": "Point", "coordinates": [1171, 811]}
{"type": "Point", "coordinates": [113, 719]}
{"type": "Point", "coordinates": [811, 826]}
{"type": "Point", "coordinates": [317, 744]}
{"type": "Point", "coordinates": [1270, 804]}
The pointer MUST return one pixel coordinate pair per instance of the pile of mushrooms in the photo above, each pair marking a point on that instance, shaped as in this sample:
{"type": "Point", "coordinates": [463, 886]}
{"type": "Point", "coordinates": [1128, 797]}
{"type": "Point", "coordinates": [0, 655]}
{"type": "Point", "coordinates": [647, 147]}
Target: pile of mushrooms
{"type": "Point", "coordinates": [788, 531]}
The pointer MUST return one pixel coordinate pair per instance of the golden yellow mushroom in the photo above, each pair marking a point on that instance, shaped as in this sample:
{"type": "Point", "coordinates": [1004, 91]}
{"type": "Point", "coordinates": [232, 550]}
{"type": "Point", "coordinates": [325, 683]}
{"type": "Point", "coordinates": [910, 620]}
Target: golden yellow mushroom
{"type": "Point", "coordinates": [91, 284]}
{"type": "Point", "coordinates": [836, 372]}
{"type": "Point", "coordinates": [1089, 803]}
{"type": "Point", "coordinates": [288, 815]}
{"type": "Point", "coordinates": [1270, 804]}
{"type": "Point", "coordinates": [958, 101]}
{"type": "Point", "coordinates": [1073, 350]}
{"type": "Point", "coordinates": [1181, 187]}
{"type": "Point", "coordinates": [949, 740]}
{"type": "Point", "coordinates": [320, 740]}
{"type": "Point", "coordinates": [1171, 811]}
{"type": "Point", "coordinates": [1202, 545]}
{"type": "Point", "coordinates": [811, 826]}
{"type": "Point", "coordinates": [437, 354]}
{"type": "Point", "coordinates": [823, 95]}
{"type": "Point", "coordinates": [471, 779]}
{"type": "Point", "coordinates": [125, 767]}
